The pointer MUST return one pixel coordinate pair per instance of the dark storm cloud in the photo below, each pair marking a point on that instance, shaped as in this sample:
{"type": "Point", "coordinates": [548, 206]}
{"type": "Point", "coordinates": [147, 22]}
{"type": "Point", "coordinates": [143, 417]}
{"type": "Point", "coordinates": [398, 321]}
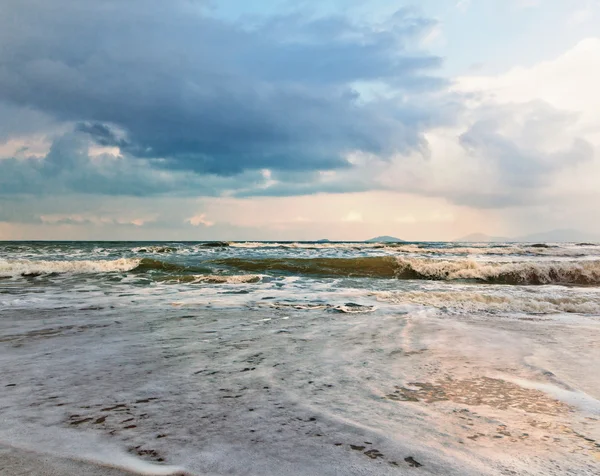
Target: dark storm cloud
{"type": "Point", "coordinates": [18, 121]}
{"type": "Point", "coordinates": [164, 80]}
{"type": "Point", "coordinates": [102, 134]}
{"type": "Point", "coordinates": [68, 168]}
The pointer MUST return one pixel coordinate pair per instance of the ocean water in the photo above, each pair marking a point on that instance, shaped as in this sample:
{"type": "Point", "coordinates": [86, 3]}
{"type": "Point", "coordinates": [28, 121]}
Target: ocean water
{"type": "Point", "coordinates": [304, 358]}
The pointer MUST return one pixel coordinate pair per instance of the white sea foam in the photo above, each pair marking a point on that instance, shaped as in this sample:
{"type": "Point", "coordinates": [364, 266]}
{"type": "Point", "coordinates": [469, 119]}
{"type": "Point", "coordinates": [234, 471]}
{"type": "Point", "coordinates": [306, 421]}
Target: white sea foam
{"type": "Point", "coordinates": [75, 447]}
{"type": "Point", "coordinates": [222, 279]}
{"type": "Point", "coordinates": [529, 272]}
{"type": "Point", "coordinates": [268, 379]}
{"type": "Point", "coordinates": [469, 301]}
{"type": "Point", "coordinates": [517, 249]}
{"type": "Point", "coordinates": [25, 267]}
{"type": "Point", "coordinates": [154, 249]}
{"type": "Point", "coordinates": [312, 380]}
{"type": "Point", "coordinates": [520, 250]}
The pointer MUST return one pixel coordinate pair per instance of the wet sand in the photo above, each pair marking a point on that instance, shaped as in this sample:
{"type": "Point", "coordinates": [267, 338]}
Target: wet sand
{"type": "Point", "coordinates": [17, 462]}
{"type": "Point", "coordinates": [306, 390]}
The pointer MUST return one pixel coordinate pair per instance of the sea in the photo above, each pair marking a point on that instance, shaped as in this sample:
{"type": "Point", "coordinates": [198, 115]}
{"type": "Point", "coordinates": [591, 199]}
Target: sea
{"type": "Point", "coordinates": [303, 358]}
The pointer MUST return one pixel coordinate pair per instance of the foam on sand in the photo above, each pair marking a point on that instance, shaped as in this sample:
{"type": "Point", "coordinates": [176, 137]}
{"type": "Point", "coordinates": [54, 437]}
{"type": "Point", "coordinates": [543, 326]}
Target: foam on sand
{"type": "Point", "coordinates": [62, 452]}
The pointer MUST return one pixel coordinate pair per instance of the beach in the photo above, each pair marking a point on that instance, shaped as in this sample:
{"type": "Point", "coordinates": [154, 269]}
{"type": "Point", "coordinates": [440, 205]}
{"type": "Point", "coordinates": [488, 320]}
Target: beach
{"type": "Point", "coordinates": [14, 461]}
{"type": "Point", "coordinates": [299, 358]}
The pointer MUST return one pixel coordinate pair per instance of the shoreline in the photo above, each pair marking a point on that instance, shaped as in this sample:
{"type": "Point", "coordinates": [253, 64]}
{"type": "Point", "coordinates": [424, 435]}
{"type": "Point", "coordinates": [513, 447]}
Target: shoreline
{"type": "Point", "coordinates": [15, 461]}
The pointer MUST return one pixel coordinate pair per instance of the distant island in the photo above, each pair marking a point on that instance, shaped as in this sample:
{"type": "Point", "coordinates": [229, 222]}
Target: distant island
{"type": "Point", "coordinates": [323, 241]}
{"type": "Point", "coordinates": [385, 239]}
{"type": "Point", "coordinates": [572, 236]}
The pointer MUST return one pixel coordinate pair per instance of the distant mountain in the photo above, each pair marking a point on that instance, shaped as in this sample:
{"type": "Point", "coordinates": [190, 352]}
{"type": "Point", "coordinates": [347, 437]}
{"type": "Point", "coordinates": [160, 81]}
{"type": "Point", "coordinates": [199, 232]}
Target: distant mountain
{"type": "Point", "coordinates": [481, 238]}
{"type": "Point", "coordinates": [573, 236]}
{"type": "Point", "coordinates": [385, 239]}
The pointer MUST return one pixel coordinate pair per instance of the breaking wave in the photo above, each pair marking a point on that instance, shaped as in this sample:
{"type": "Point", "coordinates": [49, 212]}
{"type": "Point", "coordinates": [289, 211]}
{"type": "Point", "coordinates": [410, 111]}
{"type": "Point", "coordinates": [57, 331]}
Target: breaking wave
{"type": "Point", "coordinates": [154, 249]}
{"type": "Point", "coordinates": [562, 272]}
{"type": "Point", "coordinates": [213, 279]}
{"type": "Point", "coordinates": [167, 271]}
{"type": "Point", "coordinates": [465, 301]}
{"type": "Point", "coordinates": [24, 267]}
{"type": "Point", "coordinates": [524, 272]}
{"type": "Point", "coordinates": [30, 268]}
{"type": "Point", "coordinates": [500, 249]}
{"type": "Point", "coordinates": [347, 308]}
{"type": "Point", "coordinates": [520, 250]}
{"type": "Point", "coordinates": [583, 272]}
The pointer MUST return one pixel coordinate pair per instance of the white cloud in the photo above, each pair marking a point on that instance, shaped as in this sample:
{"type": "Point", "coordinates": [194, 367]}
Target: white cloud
{"type": "Point", "coordinates": [200, 219]}
{"type": "Point", "coordinates": [527, 138]}
{"type": "Point", "coordinates": [568, 82]}
{"type": "Point", "coordinates": [24, 147]}
{"type": "Point", "coordinates": [96, 151]}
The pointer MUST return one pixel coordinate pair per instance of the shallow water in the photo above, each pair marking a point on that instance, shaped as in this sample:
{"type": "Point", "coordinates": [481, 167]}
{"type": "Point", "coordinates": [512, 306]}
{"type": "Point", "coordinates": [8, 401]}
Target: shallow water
{"type": "Point", "coordinates": [304, 358]}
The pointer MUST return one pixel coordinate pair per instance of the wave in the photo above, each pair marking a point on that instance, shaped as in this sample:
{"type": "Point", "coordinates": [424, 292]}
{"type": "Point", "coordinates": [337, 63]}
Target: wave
{"type": "Point", "coordinates": [306, 245]}
{"type": "Point", "coordinates": [465, 301]}
{"type": "Point", "coordinates": [376, 267]}
{"type": "Point", "coordinates": [347, 308]}
{"type": "Point", "coordinates": [500, 249]}
{"type": "Point", "coordinates": [149, 264]}
{"type": "Point", "coordinates": [154, 249]}
{"type": "Point", "coordinates": [583, 272]}
{"type": "Point", "coordinates": [528, 272]}
{"type": "Point", "coordinates": [215, 244]}
{"type": "Point", "coordinates": [525, 272]}
{"type": "Point", "coordinates": [159, 249]}
{"type": "Point", "coordinates": [516, 250]}
{"type": "Point", "coordinates": [212, 279]}
{"type": "Point", "coordinates": [35, 268]}
{"type": "Point", "coordinates": [31, 268]}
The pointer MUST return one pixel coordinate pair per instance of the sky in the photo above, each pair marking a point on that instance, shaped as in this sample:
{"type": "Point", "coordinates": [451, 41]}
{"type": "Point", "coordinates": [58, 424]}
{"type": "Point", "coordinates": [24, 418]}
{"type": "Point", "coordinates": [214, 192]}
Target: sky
{"type": "Point", "coordinates": [303, 120]}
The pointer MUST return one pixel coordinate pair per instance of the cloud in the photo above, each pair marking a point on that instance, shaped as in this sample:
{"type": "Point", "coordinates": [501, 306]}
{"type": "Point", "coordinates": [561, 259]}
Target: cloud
{"type": "Point", "coordinates": [200, 219]}
{"type": "Point", "coordinates": [525, 138]}
{"type": "Point", "coordinates": [68, 168]}
{"type": "Point", "coordinates": [74, 164]}
{"type": "Point", "coordinates": [515, 143]}
{"type": "Point", "coordinates": [108, 100]}
{"type": "Point", "coordinates": [504, 155]}
{"type": "Point", "coordinates": [179, 90]}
